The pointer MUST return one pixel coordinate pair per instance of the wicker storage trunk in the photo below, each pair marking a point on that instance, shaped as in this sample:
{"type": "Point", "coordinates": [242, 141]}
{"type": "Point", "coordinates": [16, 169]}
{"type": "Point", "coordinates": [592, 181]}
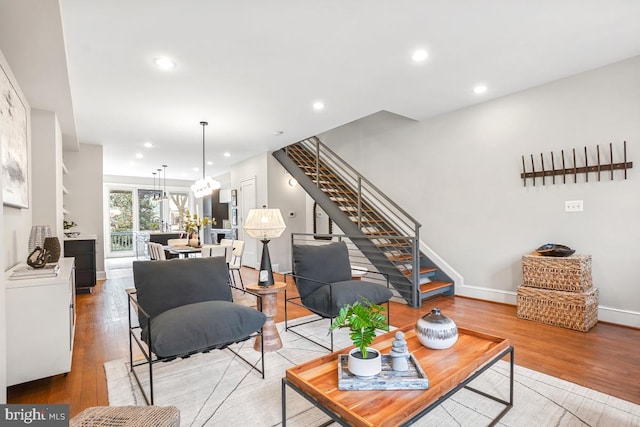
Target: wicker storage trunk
{"type": "Point", "coordinates": [573, 310]}
{"type": "Point", "coordinates": [571, 274]}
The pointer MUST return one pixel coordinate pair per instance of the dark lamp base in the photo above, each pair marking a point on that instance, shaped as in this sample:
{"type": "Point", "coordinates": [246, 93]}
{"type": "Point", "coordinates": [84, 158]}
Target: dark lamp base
{"type": "Point", "coordinates": [265, 276]}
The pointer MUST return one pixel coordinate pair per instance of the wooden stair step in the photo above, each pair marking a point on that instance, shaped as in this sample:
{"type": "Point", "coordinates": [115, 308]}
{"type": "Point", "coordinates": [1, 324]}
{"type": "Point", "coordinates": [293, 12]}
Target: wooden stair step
{"type": "Point", "coordinates": [367, 220]}
{"type": "Point", "coordinates": [394, 245]}
{"type": "Point", "coordinates": [423, 270]}
{"type": "Point", "coordinates": [379, 233]}
{"type": "Point", "coordinates": [353, 209]}
{"type": "Point", "coordinates": [434, 286]}
{"type": "Point", "coordinates": [403, 257]}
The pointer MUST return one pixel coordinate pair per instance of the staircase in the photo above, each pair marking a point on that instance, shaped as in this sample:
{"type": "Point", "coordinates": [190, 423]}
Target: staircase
{"type": "Point", "coordinates": [384, 233]}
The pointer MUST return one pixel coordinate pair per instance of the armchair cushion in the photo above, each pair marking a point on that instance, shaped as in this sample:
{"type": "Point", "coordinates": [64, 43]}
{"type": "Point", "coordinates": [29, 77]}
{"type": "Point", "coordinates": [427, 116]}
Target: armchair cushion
{"type": "Point", "coordinates": [209, 324]}
{"type": "Point", "coordinates": [344, 292]}
{"type": "Point", "coordinates": [163, 285]}
{"type": "Point", "coordinates": [324, 263]}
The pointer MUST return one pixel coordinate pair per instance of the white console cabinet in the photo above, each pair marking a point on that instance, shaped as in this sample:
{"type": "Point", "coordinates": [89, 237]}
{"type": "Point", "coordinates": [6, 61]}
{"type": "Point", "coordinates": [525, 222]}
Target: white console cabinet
{"type": "Point", "coordinates": [41, 317]}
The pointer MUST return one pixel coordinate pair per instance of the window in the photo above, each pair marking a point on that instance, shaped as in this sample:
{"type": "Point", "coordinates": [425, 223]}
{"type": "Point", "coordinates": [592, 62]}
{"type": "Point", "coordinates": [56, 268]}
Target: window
{"type": "Point", "coordinates": [177, 207]}
{"type": "Point", "coordinates": [120, 220]}
{"type": "Point", "coordinates": [149, 212]}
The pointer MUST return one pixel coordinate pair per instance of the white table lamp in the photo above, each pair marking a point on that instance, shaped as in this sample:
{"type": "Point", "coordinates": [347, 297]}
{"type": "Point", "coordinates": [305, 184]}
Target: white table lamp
{"type": "Point", "coordinates": [264, 224]}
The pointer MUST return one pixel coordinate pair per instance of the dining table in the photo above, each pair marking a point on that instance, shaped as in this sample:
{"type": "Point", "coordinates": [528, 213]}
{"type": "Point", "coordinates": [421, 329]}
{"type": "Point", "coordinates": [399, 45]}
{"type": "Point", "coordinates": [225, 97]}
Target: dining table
{"type": "Point", "coordinates": [182, 251]}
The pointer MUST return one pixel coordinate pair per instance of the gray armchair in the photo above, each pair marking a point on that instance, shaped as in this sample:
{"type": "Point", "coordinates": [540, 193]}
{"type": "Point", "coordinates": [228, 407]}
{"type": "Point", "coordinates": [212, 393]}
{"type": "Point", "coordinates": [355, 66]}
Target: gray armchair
{"type": "Point", "coordinates": [322, 275]}
{"type": "Point", "coordinates": [184, 306]}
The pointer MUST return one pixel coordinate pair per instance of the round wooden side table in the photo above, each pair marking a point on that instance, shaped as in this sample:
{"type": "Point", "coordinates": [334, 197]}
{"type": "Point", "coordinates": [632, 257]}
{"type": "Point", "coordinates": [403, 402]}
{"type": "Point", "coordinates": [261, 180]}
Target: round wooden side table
{"type": "Point", "coordinates": [269, 307]}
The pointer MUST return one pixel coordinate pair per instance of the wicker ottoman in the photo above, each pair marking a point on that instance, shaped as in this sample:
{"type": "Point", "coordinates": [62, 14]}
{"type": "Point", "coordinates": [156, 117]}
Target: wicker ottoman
{"type": "Point", "coordinates": [572, 310]}
{"type": "Point", "coordinates": [128, 416]}
{"type": "Point", "coordinates": [570, 274]}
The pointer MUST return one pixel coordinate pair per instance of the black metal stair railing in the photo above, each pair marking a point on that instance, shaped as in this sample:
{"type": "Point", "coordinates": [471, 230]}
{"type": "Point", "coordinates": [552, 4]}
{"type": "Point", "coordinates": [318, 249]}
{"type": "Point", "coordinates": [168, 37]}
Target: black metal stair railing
{"type": "Point", "coordinates": [389, 236]}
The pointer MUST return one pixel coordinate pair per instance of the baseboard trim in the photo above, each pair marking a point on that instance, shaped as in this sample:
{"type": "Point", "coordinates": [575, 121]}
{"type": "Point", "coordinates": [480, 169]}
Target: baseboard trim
{"type": "Point", "coordinates": [101, 275]}
{"type": "Point", "coordinates": [606, 314]}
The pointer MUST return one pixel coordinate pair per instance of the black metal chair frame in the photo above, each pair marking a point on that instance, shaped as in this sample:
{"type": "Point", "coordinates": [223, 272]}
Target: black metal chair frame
{"type": "Point", "coordinates": [151, 359]}
{"type": "Point", "coordinates": [297, 301]}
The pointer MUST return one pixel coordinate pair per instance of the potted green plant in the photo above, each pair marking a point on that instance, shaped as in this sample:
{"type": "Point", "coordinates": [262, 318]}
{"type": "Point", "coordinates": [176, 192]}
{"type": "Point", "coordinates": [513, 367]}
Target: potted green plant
{"type": "Point", "coordinates": [68, 225]}
{"type": "Point", "coordinates": [362, 318]}
{"type": "Point", "coordinates": [193, 223]}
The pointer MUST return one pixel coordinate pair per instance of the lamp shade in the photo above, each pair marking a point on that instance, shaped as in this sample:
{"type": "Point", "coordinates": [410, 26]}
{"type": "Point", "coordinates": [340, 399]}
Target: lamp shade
{"type": "Point", "coordinates": [264, 223]}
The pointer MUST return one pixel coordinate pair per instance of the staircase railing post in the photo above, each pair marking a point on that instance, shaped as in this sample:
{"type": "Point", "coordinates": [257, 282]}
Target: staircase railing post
{"type": "Point", "coordinates": [416, 267]}
{"type": "Point", "coordinates": [317, 163]}
{"type": "Point", "coordinates": [360, 203]}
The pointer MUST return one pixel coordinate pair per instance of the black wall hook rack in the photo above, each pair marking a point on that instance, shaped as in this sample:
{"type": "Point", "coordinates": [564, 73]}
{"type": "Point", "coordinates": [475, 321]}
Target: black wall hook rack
{"type": "Point", "coordinates": [574, 170]}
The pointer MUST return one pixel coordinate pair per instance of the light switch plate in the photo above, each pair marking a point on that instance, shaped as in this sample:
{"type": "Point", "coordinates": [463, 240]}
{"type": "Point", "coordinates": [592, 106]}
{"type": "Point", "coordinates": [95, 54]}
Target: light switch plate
{"type": "Point", "coordinates": [573, 206]}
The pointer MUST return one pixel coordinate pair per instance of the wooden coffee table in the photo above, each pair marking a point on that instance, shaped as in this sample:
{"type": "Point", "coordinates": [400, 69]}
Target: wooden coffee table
{"type": "Point", "coordinates": [448, 371]}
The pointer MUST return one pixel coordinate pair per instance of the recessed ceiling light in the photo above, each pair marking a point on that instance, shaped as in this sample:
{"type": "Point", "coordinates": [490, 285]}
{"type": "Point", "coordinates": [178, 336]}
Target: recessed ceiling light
{"type": "Point", "coordinates": [479, 89]}
{"type": "Point", "coordinates": [139, 155]}
{"type": "Point", "coordinates": [196, 169]}
{"type": "Point", "coordinates": [318, 105]}
{"type": "Point", "coordinates": [278, 132]}
{"type": "Point", "coordinates": [148, 144]}
{"type": "Point", "coordinates": [164, 63]}
{"type": "Point", "coordinates": [419, 55]}
{"type": "Point", "coordinates": [227, 154]}
{"type": "Point", "coordinates": [209, 162]}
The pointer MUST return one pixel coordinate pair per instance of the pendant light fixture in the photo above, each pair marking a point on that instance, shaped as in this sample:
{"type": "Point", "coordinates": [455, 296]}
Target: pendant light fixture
{"type": "Point", "coordinates": [156, 193]}
{"type": "Point", "coordinates": [153, 193]}
{"type": "Point", "coordinates": [164, 191]}
{"type": "Point", "coordinates": [205, 186]}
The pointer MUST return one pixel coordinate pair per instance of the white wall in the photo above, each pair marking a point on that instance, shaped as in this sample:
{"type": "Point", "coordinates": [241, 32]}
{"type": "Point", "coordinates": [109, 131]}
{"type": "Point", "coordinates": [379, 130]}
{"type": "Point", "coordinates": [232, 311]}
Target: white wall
{"type": "Point", "coordinates": [459, 175]}
{"type": "Point", "coordinates": [255, 167]}
{"type": "Point", "coordinates": [46, 159]}
{"type": "Point", "coordinates": [15, 226]}
{"type": "Point", "coordinates": [288, 199]}
{"type": "Point", "coordinates": [84, 200]}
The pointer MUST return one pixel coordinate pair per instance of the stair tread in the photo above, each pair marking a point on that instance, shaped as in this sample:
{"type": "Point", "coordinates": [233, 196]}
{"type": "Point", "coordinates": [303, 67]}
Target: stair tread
{"type": "Point", "coordinates": [434, 285]}
{"type": "Point", "coordinates": [423, 270]}
{"type": "Point", "coordinates": [393, 245]}
{"type": "Point", "coordinates": [353, 209]}
{"type": "Point", "coordinates": [403, 257]}
{"type": "Point", "coordinates": [372, 220]}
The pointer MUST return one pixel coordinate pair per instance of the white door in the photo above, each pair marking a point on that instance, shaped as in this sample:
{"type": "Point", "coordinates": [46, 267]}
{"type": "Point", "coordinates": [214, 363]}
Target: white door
{"type": "Point", "coordinates": [247, 200]}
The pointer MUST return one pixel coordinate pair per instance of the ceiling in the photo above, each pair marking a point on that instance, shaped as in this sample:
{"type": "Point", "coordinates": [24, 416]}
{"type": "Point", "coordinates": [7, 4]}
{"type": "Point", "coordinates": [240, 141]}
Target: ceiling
{"type": "Point", "coordinates": [253, 68]}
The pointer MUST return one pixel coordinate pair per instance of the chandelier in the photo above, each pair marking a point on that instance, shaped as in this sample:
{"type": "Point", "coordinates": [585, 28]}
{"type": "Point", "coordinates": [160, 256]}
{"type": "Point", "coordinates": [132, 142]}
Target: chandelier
{"type": "Point", "coordinates": [205, 186]}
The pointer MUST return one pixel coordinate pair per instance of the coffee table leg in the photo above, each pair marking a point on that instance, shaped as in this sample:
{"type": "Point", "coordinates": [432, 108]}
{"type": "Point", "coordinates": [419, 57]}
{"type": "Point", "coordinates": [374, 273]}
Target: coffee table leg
{"type": "Point", "coordinates": [508, 404]}
{"type": "Point", "coordinates": [334, 418]}
{"type": "Point", "coordinates": [284, 403]}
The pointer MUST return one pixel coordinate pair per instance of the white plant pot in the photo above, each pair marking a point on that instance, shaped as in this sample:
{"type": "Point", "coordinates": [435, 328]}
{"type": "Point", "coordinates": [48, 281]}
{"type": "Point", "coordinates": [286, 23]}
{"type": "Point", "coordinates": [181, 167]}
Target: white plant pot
{"type": "Point", "coordinates": [368, 367]}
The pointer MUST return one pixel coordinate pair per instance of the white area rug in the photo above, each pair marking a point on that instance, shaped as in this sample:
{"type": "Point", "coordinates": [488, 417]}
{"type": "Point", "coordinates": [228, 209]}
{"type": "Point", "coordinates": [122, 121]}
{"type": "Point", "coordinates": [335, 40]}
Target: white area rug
{"type": "Point", "coordinates": [218, 389]}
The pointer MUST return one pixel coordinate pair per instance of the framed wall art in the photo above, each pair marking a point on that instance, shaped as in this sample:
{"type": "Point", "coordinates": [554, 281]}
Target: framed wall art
{"type": "Point", "coordinates": [13, 140]}
{"type": "Point", "coordinates": [234, 217]}
{"type": "Point", "coordinates": [234, 197]}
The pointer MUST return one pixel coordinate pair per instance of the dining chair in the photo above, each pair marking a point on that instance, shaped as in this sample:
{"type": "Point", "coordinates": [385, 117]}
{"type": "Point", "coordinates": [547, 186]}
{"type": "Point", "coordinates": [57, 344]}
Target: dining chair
{"type": "Point", "coordinates": [216, 250]}
{"type": "Point", "coordinates": [156, 251]}
{"type": "Point", "coordinates": [236, 261]}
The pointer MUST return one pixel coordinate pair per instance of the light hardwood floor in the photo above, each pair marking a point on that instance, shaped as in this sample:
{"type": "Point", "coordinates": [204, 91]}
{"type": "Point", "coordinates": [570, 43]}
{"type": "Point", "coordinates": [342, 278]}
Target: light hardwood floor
{"type": "Point", "coordinates": [605, 359]}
